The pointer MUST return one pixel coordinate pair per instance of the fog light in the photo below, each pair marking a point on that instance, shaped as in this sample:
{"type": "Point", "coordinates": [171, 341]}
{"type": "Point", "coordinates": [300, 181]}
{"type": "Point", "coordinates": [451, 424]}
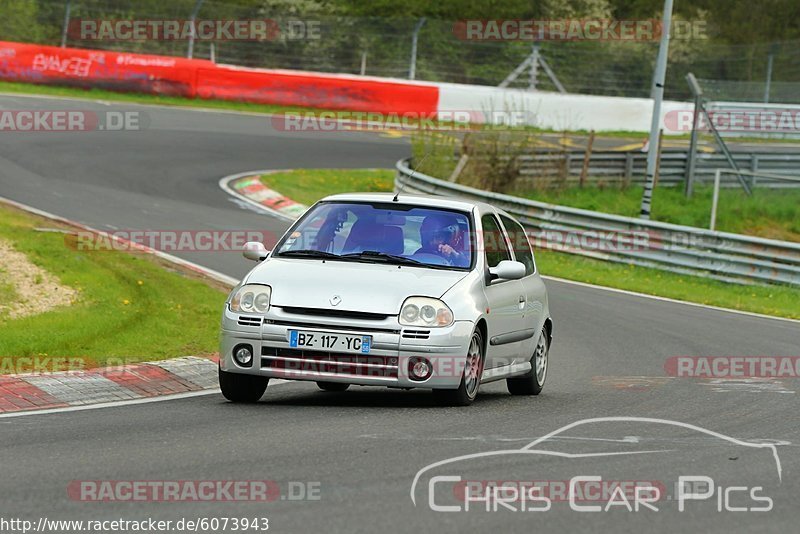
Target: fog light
{"type": "Point", "coordinates": [243, 354]}
{"type": "Point", "coordinates": [419, 368]}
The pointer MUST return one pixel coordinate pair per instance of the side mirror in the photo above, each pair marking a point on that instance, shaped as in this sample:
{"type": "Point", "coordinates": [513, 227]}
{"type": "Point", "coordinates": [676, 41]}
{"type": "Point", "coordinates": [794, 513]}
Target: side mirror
{"type": "Point", "coordinates": [508, 270]}
{"type": "Point", "coordinates": [254, 250]}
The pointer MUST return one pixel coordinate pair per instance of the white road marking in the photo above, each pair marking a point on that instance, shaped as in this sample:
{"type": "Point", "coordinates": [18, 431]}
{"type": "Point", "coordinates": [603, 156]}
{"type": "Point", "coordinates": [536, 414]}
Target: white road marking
{"type": "Point", "coordinates": [747, 385]}
{"type": "Point", "coordinates": [224, 278]}
{"type": "Point", "coordinates": [81, 389]}
{"type": "Point", "coordinates": [246, 205]}
{"type": "Point", "coordinates": [667, 299]}
{"type": "Point", "coordinates": [146, 400]}
{"type": "Point", "coordinates": [223, 184]}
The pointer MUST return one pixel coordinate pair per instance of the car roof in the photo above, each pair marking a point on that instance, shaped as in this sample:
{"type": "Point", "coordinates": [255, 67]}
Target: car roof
{"type": "Point", "coordinates": [427, 201]}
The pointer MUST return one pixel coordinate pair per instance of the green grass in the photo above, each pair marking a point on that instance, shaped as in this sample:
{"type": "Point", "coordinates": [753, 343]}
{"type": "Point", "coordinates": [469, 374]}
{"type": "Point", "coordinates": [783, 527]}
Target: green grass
{"type": "Point", "coordinates": [307, 186]}
{"type": "Point", "coordinates": [131, 307]}
{"type": "Point", "coordinates": [768, 213]}
{"type": "Point", "coordinates": [781, 301]}
{"type": "Point", "coordinates": [7, 292]}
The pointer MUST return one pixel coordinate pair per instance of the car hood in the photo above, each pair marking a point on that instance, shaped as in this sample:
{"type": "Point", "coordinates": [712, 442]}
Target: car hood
{"type": "Point", "coordinates": [364, 287]}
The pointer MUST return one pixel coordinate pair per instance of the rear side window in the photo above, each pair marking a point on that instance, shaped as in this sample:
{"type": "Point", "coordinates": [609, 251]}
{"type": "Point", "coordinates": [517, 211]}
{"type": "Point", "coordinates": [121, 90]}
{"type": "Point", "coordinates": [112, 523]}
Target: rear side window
{"type": "Point", "coordinates": [520, 243]}
{"type": "Point", "coordinates": [494, 243]}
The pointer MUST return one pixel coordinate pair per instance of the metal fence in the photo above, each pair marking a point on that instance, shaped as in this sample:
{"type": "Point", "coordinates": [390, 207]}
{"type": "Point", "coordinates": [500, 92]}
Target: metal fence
{"type": "Point", "coordinates": [629, 167]}
{"type": "Point", "coordinates": [670, 247]}
{"type": "Point", "coordinates": [383, 47]}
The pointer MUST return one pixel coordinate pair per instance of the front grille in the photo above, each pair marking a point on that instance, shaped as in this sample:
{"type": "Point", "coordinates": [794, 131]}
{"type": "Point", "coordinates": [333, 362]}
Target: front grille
{"type": "Point", "coordinates": [328, 362]}
{"type": "Point", "coordinates": [346, 314]}
{"type": "Point", "coordinates": [322, 326]}
{"type": "Point", "coordinates": [416, 334]}
{"type": "Point", "coordinates": [249, 321]}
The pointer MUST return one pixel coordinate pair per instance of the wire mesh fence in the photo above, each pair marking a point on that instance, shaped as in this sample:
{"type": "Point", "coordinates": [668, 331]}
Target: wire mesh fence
{"type": "Point", "coordinates": [383, 47]}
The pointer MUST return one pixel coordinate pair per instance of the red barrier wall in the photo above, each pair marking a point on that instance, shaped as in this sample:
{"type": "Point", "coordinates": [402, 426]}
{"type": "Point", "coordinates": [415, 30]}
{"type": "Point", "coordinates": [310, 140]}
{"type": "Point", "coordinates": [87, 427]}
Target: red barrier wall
{"type": "Point", "coordinates": [94, 68]}
{"type": "Point", "coordinates": [315, 90]}
{"type": "Point", "coordinates": [192, 77]}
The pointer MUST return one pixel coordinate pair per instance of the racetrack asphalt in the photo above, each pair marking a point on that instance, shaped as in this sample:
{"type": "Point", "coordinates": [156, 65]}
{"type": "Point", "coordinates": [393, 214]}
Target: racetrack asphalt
{"type": "Point", "coordinates": [365, 446]}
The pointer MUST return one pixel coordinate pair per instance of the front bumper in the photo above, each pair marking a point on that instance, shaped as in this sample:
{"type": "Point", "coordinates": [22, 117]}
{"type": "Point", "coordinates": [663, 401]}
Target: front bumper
{"type": "Point", "coordinates": [387, 363]}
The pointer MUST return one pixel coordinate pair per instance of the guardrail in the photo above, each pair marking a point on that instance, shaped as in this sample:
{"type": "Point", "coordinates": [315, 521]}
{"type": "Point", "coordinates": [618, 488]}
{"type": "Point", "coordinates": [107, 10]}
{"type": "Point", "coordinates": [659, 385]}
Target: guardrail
{"type": "Point", "coordinates": [670, 247]}
{"type": "Point", "coordinates": [631, 166]}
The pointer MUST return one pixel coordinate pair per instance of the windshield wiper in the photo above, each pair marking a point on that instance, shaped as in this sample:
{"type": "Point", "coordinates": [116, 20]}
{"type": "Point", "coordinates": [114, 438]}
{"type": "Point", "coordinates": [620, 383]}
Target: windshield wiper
{"type": "Point", "coordinates": [309, 253]}
{"type": "Point", "coordinates": [389, 258]}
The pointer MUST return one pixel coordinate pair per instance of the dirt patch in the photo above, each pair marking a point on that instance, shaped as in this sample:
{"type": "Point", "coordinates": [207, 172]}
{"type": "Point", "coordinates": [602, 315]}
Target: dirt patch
{"type": "Point", "coordinates": [27, 288]}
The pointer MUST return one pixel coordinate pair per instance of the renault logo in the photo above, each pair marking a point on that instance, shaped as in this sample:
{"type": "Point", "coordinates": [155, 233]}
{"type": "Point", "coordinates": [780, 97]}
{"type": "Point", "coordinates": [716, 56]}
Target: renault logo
{"type": "Point", "coordinates": [335, 300]}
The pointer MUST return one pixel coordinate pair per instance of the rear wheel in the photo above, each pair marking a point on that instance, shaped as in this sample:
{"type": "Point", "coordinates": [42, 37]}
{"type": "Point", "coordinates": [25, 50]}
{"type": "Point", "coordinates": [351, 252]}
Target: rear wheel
{"type": "Point", "coordinates": [332, 386]}
{"type": "Point", "coordinates": [532, 382]}
{"type": "Point", "coordinates": [242, 388]}
{"type": "Point", "coordinates": [470, 380]}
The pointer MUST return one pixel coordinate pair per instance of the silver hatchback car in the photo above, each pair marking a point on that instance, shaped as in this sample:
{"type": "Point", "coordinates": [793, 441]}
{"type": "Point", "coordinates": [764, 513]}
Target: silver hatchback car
{"type": "Point", "coordinates": [400, 291]}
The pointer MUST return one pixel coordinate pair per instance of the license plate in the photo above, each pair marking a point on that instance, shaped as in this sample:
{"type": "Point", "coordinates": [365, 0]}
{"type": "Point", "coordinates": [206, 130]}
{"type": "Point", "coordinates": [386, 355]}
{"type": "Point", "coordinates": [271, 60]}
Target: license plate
{"type": "Point", "coordinates": [330, 341]}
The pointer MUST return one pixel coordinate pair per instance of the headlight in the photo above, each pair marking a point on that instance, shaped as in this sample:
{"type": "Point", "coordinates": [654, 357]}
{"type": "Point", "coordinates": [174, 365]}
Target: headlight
{"type": "Point", "coordinates": [251, 298]}
{"type": "Point", "coordinates": [425, 311]}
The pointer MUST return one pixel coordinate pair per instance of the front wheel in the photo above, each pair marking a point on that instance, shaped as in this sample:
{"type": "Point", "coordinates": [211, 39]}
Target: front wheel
{"type": "Point", "coordinates": [470, 380]}
{"type": "Point", "coordinates": [532, 382]}
{"type": "Point", "coordinates": [242, 388]}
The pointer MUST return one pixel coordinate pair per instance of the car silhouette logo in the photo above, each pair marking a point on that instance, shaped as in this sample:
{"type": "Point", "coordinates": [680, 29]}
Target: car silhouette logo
{"type": "Point", "coordinates": [335, 300]}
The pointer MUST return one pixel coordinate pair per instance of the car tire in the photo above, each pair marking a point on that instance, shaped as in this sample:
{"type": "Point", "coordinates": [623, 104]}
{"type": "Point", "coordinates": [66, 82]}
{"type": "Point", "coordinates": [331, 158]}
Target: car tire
{"type": "Point", "coordinates": [532, 382]}
{"type": "Point", "coordinates": [333, 386]}
{"type": "Point", "coordinates": [242, 388]}
{"type": "Point", "coordinates": [470, 379]}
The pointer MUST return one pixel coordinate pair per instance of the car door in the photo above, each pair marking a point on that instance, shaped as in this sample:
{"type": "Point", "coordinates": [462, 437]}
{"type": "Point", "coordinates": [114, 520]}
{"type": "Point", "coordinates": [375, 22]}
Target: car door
{"type": "Point", "coordinates": [532, 286]}
{"type": "Point", "coordinates": [506, 298]}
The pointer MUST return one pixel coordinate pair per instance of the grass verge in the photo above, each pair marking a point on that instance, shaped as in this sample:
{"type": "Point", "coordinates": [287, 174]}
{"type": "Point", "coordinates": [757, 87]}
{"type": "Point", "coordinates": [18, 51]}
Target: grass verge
{"type": "Point", "coordinates": [308, 186]}
{"type": "Point", "coordinates": [132, 306]}
{"type": "Point", "coordinates": [781, 301]}
{"type": "Point", "coordinates": [769, 213]}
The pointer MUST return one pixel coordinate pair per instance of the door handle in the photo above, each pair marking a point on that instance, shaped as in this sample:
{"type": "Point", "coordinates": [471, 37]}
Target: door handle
{"type": "Point", "coordinates": [522, 298]}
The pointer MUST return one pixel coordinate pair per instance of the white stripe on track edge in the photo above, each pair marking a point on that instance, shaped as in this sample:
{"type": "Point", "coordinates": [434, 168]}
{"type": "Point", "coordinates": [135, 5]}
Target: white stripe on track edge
{"type": "Point", "coordinates": [667, 299]}
{"type": "Point", "coordinates": [130, 402]}
{"type": "Point", "coordinates": [216, 275]}
{"type": "Point", "coordinates": [223, 184]}
{"type": "Point", "coordinates": [113, 404]}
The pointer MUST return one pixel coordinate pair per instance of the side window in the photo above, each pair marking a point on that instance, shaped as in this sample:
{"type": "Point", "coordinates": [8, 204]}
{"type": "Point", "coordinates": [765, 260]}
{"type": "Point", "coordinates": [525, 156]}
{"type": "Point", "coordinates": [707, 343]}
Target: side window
{"type": "Point", "coordinates": [519, 243]}
{"type": "Point", "coordinates": [494, 244]}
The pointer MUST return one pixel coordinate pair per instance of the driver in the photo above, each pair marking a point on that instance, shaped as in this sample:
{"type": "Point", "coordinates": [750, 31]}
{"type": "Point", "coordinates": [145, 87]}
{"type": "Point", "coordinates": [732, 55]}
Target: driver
{"type": "Point", "coordinates": [441, 235]}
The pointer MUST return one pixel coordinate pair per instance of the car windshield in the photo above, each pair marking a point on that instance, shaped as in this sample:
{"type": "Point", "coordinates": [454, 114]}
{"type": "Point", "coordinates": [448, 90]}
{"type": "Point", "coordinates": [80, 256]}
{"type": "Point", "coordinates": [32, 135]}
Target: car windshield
{"type": "Point", "coordinates": [382, 232]}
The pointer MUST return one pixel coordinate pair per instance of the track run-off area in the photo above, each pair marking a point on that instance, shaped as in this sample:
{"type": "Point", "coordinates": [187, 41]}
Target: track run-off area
{"type": "Point", "coordinates": [355, 455]}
